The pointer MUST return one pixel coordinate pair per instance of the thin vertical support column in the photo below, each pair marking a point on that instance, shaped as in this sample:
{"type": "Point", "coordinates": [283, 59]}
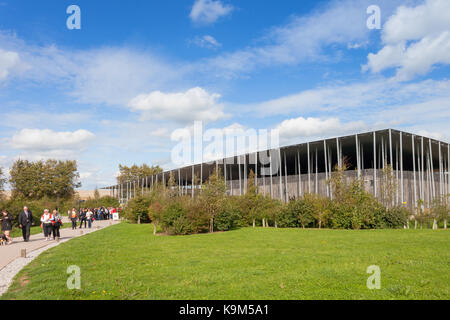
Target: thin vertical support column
{"type": "Point", "coordinates": [245, 173]}
{"type": "Point", "coordinates": [201, 175]}
{"type": "Point", "coordinates": [374, 164]}
{"type": "Point", "coordinates": [361, 157]}
{"type": "Point", "coordinates": [326, 166]}
{"type": "Point", "coordinates": [299, 175]}
{"type": "Point", "coordinates": [271, 179]}
{"type": "Point", "coordinates": [358, 164]}
{"type": "Point", "coordinates": [402, 197]}
{"type": "Point", "coordinates": [240, 178]}
{"type": "Point", "coordinates": [422, 168]}
{"type": "Point", "coordinates": [330, 169]}
{"type": "Point", "coordinates": [316, 186]}
{"type": "Point", "coordinates": [285, 179]}
{"type": "Point", "coordinates": [414, 169]}
{"type": "Point", "coordinates": [448, 168]}
{"type": "Point", "coordinates": [192, 182]}
{"type": "Point", "coordinates": [256, 169]}
{"type": "Point", "coordinates": [179, 182]}
{"type": "Point", "coordinates": [441, 192]}
{"type": "Point", "coordinates": [231, 178]}
{"type": "Point", "coordinates": [134, 191]}
{"type": "Point", "coordinates": [396, 173]}
{"type": "Point", "coordinates": [281, 174]}
{"type": "Point", "coordinates": [225, 174]}
{"type": "Point", "coordinates": [309, 170]}
{"type": "Point", "coordinates": [432, 170]}
{"type": "Point", "coordinates": [264, 184]}
{"type": "Point", "coordinates": [338, 153]}
{"type": "Point", "coordinates": [391, 161]}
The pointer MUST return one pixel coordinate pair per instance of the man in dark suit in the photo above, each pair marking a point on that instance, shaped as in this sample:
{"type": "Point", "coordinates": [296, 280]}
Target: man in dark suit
{"type": "Point", "coordinates": [25, 222]}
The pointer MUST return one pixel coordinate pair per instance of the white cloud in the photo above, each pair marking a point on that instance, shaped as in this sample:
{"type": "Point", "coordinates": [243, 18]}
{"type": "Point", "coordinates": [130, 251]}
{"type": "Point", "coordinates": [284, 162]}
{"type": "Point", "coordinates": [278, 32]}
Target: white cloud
{"type": "Point", "coordinates": [300, 129]}
{"type": "Point", "coordinates": [209, 11]}
{"type": "Point", "coordinates": [193, 104]}
{"type": "Point", "coordinates": [8, 61]}
{"type": "Point", "coordinates": [109, 75]}
{"type": "Point", "coordinates": [48, 140]}
{"type": "Point", "coordinates": [305, 38]}
{"type": "Point", "coordinates": [116, 75]}
{"type": "Point", "coordinates": [206, 41]}
{"type": "Point", "coordinates": [357, 98]}
{"type": "Point", "coordinates": [415, 39]}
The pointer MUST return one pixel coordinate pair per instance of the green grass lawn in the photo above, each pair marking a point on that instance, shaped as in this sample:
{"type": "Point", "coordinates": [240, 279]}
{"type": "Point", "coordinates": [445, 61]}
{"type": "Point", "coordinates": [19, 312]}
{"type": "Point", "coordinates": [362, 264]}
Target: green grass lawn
{"type": "Point", "coordinates": [127, 262]}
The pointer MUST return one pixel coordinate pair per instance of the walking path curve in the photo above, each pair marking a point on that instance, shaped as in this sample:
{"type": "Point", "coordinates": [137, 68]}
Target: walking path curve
{"type": "Point", "coordinates": [11, 261]}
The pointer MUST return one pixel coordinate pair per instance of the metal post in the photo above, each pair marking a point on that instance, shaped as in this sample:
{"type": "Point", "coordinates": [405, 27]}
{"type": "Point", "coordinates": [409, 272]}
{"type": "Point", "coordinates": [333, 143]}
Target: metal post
{"type": "Point", "coordinates": [374, 164]}
{"type": "Point", "coordinates": [240, 178]}
{"type": "Point", "coordinates": [285, 179]}
{"type": "Point", "coordinates": [390, 149]}
{"type": "Point", "coordinates": [401, 169]}
{"type": "Point", "coordinates": [309, 170]}
{"type": "Point", "coordinates": [316, 187]}
{"type": "Point", "coordinates": [299, 175]}
{"type": "Point", "coordinates": [440, 170]}
{"type": "Point", "coordinates": [281, 174]}
{"type": "Point", "coordinates": [245, 173]}
{"type": "Point", "coordinates": [432, 170]}
{"type": "Point", "coordinates": [357, 157]}
{"type": "Point", "coordinates": [256, 169]}
{"type": "Point", "coordinates": [192, 182]}
{"type": "Point", "coordinates": [326, 166]}
{"type": "Point", "coordinates": [271, 182]}
{"type": "Point", "coordinates": [414, 169]}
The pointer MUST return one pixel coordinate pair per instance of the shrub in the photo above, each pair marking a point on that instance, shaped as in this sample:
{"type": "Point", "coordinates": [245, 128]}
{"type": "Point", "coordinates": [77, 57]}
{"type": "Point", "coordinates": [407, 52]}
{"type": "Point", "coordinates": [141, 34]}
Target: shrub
{"type": "Point", "coordinates": [138, 207]}
{"type": "Point", "coordinates": [229, 215]}
{"type": "Point", "coordinates": [394, 218]}
{"type": "Point", "coordinates": [175, 220]}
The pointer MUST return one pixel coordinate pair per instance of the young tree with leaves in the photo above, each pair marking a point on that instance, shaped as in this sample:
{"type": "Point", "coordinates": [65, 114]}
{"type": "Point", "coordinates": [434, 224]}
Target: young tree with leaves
{"type": "Point", "coordinates": [212, 195]}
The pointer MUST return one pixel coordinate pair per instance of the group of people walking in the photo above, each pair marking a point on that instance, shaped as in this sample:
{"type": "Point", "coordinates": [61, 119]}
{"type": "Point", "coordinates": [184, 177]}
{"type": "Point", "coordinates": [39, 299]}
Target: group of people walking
{"type": "Point", "coordinates": [88, 216]}
{"type": "Point", "coordinates": [51, 222]}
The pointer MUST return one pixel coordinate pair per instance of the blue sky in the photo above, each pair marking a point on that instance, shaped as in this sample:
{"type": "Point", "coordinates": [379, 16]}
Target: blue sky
{"type": "Point", "coordinates": [114, 91]}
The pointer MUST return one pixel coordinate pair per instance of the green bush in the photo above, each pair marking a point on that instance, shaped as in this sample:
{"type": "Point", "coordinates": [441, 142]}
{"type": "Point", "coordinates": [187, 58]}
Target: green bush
{"type": "Point", "coordinates": [175, 220]}
{"type": "Point", "coordinates": [393, 218]}
{"type": "Point", "coordinates": [138, 207]}
{"type": "Point", "coordinates": [229, 216]}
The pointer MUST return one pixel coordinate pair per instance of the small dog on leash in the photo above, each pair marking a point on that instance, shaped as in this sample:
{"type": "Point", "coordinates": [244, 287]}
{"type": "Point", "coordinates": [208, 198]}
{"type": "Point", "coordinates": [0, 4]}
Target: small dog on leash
{"type": "Point", "coordinates": [3, 240]}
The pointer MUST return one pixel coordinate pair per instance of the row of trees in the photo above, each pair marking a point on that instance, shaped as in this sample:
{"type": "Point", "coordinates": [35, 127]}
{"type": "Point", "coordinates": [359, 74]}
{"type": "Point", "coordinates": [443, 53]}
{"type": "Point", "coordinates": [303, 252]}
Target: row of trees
{"type": "Point", "coordinates": [51, 179]}
{"type": "Point", "coordinates": [136, 172]}
{"type": "Point", "coordinates": [212, 210]}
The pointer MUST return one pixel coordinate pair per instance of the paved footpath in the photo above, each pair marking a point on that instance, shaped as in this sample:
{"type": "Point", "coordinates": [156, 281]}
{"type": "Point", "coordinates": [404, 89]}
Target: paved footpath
{"type": "Point", "coordinates": [10, 255]}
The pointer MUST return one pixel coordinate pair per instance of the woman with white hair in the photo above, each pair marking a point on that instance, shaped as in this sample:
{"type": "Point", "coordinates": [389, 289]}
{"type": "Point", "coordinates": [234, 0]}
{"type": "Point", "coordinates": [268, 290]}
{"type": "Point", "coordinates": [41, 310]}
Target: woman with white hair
{"type": "Point", "coordinates": [47, 224]}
